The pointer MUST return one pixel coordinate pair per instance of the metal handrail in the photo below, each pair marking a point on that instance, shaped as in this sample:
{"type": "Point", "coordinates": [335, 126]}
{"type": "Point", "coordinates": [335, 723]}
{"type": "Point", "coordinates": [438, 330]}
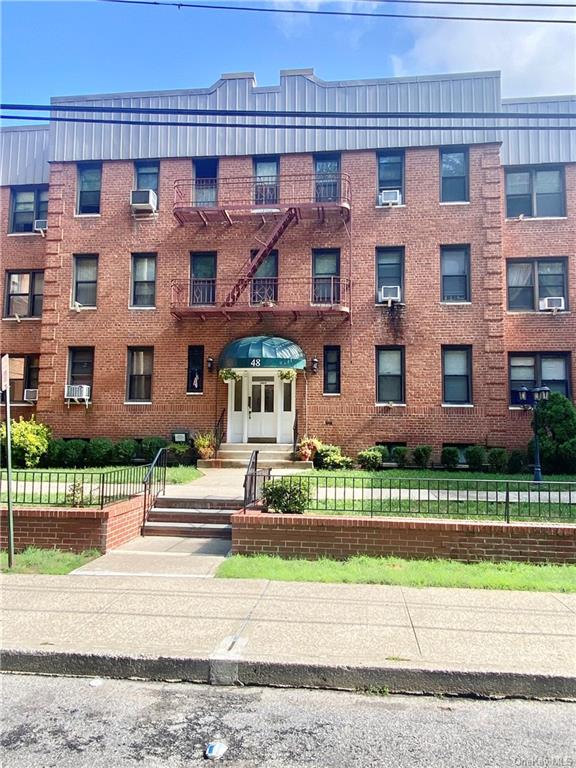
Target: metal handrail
{"type": "Point", "coordinates": [219, 429]}
{"type": "Point", "coordinates": [295, 435]}
{"type": "Point", "coordinates": [155, 481]}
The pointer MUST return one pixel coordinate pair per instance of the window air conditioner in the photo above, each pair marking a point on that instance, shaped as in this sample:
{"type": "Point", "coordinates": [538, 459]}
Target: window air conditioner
{"type": "Point", "coordinates": [390, 197]}
{"type": "Point", "coordinates": [388, 294]}
{"type": "Point", "coordinates": [143, 201]}
{"type": "Point", "coordinates": [552, 303]}
{"type": "Point", "coordinates": [77, 392]}
{"type": "Point", "coordinates": [31, 395]}
{"type": "Point", "coordinates": [40, 225]}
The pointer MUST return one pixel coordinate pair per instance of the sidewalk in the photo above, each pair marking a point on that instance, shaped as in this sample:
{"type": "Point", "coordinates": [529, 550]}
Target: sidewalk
{"type": "Point", "coordinates": [293, 634]}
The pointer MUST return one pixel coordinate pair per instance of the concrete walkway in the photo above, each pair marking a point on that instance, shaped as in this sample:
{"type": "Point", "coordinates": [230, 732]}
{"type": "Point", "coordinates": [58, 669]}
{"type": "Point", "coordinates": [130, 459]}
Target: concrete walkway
{"type": "Point", "coordinates": [226, 484]}
{"type": "Point", "coordinates": [312, 635]}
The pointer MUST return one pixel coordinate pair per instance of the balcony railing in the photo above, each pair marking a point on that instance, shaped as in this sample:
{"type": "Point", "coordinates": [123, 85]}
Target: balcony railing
{"type": "Point", "coordinates": [258, 195]}
{"type": "Point", "coordinates": [315, 295]}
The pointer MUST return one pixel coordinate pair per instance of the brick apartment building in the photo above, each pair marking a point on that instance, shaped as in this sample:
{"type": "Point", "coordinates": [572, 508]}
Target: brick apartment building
{"type": "Point", "coordinates": [404, 273]}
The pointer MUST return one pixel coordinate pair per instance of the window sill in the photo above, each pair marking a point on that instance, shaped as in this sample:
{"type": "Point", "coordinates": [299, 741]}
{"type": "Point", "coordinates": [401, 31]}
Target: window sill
{"type": "Point", "coordinates": [87, 215]}
{"type": "Point", "coordinates": [22, 319]}
{"type": "Point", "coordinates": [19, 404]}
{"type": "Point", "coordinates": [457, 405]}
{"type": "Point", "coordinates": [331, 394]}
{"type": "Point", "coordinates": [194, 394]}
{"type": "Point", "coordinates": [83, 308]}
{"type": "Point", "coordinates": [516, 219]}
{"type": "Point", "coordinates": [137, 402]}
{"type": "Point", "coordinates": [388, 207]}
{"type": "Point", "coordinates": [456, 202]}
{"type": "Point", "coordinates": [24, 234]}
{"type": "Point", "coordinates": [390, 405]}
{"type": "Point", "coordinates": [456, 303]}
{"type": "Point", "coordinates": [142, 309]}
{"type": "Point", "coordinates": [537, 312]}
{"type": "Point", "coordinates": [516, 408]}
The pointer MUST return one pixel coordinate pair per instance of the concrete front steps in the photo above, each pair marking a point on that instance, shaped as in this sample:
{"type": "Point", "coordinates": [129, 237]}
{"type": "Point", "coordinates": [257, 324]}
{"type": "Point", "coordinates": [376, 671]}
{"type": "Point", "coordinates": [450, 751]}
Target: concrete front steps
{"type": "Point", "coordinates": [192, 518]}
{"type": "Point", "coordinates": [270, 455]}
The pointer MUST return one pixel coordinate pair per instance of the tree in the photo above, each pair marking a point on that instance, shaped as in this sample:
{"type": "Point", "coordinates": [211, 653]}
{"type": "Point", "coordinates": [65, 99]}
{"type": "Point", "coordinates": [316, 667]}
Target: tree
{"type": "Point", "coordinates": [556, 420]}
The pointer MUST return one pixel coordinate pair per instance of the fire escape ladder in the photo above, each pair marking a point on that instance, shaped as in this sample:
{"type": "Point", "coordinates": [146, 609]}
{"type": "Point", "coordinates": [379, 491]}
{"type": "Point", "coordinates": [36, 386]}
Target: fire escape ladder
{"type": "Point", "coordinates": [251, 266]}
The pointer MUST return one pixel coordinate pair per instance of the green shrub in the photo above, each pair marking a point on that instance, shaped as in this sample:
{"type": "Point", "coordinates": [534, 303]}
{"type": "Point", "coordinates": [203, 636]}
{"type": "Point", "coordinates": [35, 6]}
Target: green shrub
{"type": "Point", "coordinates": [125, 451]}
{"type": "Point", "coordinates": [287, 496]}
{"type": "Point", "coordinates": [150, 447]}
{"type": "Point", "coordinates": [74, 453]}
{"type": "Point", "coordinates": [517, 462]}
{"type": "Point", "coordinates": [205, 444]}
{"type": "Point", "coordinates": [556, 426]}
{"type": "Point", "coordinates": [401, 455]}
{"type": "Point", "coordinates": [330, 457]}
{"type": "Point", "coordinates": [476, 458]}
{"type": "Point", "coordinates": [53, 456]}
{"type": "Point", "coordinates": [498, 460]}
{"type": "Point", "coordinates": [384, 452]}
{"type": "Point", "coordinates": [568, 455]}
{"type": "Point", "coordinates": [30, 441]}
{"type": "Point", "coordinates": [421, 455]}
{"type": "Point", "coordinates": [180, 453]}
{"type": "Point", "coordinates": [450, 457]}
{"type": "Point", "coordinates": [99, 452]}
{"type": "Point", "coordinates": [370, 459]}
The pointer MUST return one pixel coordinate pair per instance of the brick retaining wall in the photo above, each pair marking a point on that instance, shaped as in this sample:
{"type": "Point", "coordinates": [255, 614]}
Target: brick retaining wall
{"type": "Point", "coordinates": [340, 537]}
{"type": "Point", "coordinates": [74, 529]}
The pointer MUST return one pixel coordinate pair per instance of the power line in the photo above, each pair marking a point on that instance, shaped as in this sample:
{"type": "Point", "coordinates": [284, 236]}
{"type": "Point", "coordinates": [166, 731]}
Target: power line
{"type": "Point", "coordinates": [273, 113]}
{"type": "Point", "coordinates": [360, 14]}
{"type": "Point", "coordinates": [285, 126]}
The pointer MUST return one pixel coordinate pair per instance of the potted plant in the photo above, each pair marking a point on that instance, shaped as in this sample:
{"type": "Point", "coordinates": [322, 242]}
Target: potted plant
{"type": "Point", "coordinates": [205, 444]}
{"type": "Point", "coordinates": [227, 374]}
{"type": "Point", "coordinates": [308, 447]}
{"type": "Point", "coordinates": [288, 374]}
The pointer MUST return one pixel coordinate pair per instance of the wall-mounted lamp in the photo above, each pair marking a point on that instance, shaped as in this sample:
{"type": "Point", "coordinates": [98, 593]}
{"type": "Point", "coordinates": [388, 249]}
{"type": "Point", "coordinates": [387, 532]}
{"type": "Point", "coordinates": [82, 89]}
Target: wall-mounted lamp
{"type": "Point", "coordinates": [314, 365]}
{"type": "Point", "coordinates": [210, 364]}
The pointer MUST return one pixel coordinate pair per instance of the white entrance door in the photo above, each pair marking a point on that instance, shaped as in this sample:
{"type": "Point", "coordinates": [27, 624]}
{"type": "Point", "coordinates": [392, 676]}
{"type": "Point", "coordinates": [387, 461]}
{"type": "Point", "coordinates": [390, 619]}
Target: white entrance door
{"type": "Point", "coordinates": [262, 417]}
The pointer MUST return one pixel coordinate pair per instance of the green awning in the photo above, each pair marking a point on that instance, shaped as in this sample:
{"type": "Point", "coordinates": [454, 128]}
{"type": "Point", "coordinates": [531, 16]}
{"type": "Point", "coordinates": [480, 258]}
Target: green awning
{"type": "Point", "coordinates": [262, 352]}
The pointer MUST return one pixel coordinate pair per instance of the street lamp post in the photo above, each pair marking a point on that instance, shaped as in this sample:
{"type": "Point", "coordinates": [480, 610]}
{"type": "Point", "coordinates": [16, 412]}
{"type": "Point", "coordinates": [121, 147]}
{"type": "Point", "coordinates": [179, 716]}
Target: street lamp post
{"type": "Point", "coordinates": [530, 400]}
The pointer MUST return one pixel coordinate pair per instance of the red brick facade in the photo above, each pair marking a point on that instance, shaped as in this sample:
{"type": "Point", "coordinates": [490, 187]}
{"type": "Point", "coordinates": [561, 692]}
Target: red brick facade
{"type": "Point", "coordinates": [74, 530]}
{"type": "Point", "coordinates": [422, 225]}
{"type": "Point", "coordinates": [341, 537]}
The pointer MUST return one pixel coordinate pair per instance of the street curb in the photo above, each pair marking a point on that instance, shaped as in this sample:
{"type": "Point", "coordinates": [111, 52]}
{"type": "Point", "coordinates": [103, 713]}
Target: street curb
{"type": "Point", "coordinates": [292, 675]}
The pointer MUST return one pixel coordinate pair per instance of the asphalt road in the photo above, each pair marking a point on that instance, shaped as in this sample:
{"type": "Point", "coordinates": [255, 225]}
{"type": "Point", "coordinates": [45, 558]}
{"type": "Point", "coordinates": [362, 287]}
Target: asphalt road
{"type": "Point", "coordinates": [68, 722]}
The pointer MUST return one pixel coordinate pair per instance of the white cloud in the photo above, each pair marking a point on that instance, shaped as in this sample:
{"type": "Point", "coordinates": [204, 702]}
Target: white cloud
{"type": "Point", "coordinates": [535, 59]}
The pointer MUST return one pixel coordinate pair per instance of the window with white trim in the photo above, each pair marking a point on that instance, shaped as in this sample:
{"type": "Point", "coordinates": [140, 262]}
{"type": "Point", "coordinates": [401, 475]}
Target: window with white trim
{"type": "Point", "coordinates": [533, 279]}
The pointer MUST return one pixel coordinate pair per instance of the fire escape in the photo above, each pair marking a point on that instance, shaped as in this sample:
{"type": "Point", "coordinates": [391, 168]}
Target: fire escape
{"type": "Point", "coordinates": [275, 205]}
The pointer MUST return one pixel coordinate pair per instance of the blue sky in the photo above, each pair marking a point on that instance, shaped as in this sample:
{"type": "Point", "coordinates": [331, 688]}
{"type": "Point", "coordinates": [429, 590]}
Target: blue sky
{"type": "Point", "coordinates": [61, 48]}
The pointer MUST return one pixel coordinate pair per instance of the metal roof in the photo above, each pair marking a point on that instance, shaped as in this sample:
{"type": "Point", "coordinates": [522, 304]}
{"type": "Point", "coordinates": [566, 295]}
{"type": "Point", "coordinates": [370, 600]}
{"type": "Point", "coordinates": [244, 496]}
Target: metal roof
{"type": "Point", "coordinates": [298, 90]}
{"type": "Point", "coordinates": [26, 150]}
{"type": "Point", "coordinates": [24, 155]}
{"type": "Point", "coordinates": [531, 147]}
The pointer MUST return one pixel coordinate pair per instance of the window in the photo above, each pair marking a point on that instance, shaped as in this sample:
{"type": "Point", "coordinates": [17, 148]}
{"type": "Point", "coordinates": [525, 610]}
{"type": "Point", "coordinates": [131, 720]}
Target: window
{"type": "Point", "coordinates": [327, 171]}
{"type": "Point", "coordinates": [454, 175]}
{"type": "Point", "coordinates": [539, 369]}
{"type": "Point", "coordinates": [24, 294]}
{"type": "Point", "coordinates": [27, 206]}
{"type": "Point", "coordinates": [206, 183]}
{"type": "Point", "coordinates": [266, 181]}
{"type": "Point", "coordinates": [331, 370]}
{"type": "Point", "coordinates": [390, 374]}
{"type": "Point", "coordinates": [535, 192]}
{"type": "Point", "coordinates": [389, 271]}
{"type": "Point", "coordinates": [140, 363]}
{"type": "Point", "coordinates": [203, 283]}
{"type": "Point", "coordinates": [85, 280]}
{"type": "Point", "coordinates": [143, 280]}
{"type": "Point", "coordinates": [265, 280]}
{"type": "Point", "coordinates": [530, 281]}
{"type": "Point", "coordinates": [89, 185]}
{"type": "Point", "coordinates": [455, 268]}
{"type": "Point", "coordinates": [147, 173]}
{"type": "Point", "coordinates": [195, 369]}
{"type": "Point", "coordinates": [457, 374]}
{"type": "Point", "coordinates": [326, 276]}
{"type": "Point", "coordinates": [23, 375]}
{"type": "Point", "coordinates": [391, 172]}
{"type": "Point", "coordinates": [81, 365]}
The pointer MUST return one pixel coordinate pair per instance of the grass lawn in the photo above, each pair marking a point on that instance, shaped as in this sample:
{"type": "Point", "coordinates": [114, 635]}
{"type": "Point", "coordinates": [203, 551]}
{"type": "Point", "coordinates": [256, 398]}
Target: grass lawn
{"type": "Point", "coordinates": [174, 475]}
{"type": "Point", "coordinates": [47, 561]}
{"type": "Point", "coordinates": [362, 569]}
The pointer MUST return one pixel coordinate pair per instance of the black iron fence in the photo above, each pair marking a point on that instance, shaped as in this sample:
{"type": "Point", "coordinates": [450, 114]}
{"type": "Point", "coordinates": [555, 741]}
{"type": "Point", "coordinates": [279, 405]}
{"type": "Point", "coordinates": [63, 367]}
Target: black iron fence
{"type": "Point", "coordinates": [254, 482]}
{"type": "Point", "coordinates": [73, 488]}
{"type": "Point", "coordinates": [507, 500]}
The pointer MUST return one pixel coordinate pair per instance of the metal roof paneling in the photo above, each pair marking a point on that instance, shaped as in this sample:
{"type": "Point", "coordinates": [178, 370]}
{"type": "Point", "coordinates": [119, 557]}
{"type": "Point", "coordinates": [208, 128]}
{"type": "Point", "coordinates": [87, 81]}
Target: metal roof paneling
{"type": "Point", "coordinates": [298, 90]}
{"type": "Point", "coordinates": [532, 147]}
{"type": "Point", "coordinates": [24, 155]}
